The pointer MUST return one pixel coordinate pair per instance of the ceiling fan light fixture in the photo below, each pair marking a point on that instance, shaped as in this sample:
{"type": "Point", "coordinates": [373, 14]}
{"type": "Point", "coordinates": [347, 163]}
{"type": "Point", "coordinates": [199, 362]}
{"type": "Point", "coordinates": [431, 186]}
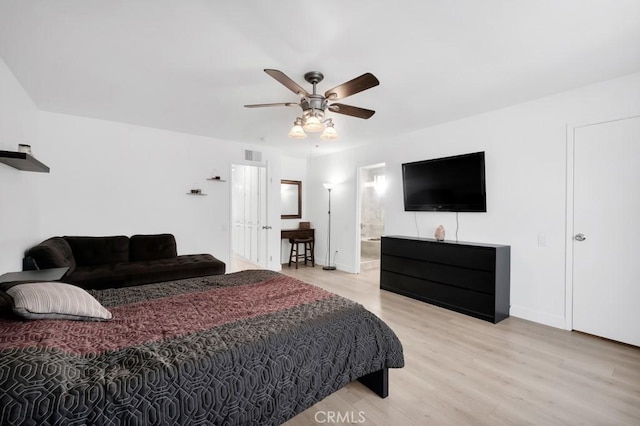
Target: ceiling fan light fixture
{"type": "Point", "coordinates": [296, 131]}
{"type": "Point", "coordinates": [329, 133]}
{"type": "Point", "coordinates": [312, 124]}
{"type": "Point", "coordinates": [314, 105]}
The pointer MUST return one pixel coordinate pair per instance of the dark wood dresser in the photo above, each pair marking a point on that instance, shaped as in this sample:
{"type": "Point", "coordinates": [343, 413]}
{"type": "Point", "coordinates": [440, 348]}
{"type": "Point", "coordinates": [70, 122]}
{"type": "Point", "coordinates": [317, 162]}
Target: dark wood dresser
{"type": "Point", "coordinates": [471, 278]}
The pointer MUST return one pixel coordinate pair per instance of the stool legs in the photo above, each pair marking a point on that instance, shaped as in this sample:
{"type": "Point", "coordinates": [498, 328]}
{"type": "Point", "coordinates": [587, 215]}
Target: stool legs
{"type": "Point", "coordinates": [307, 255]}
{"type": "Point", "coordinates": [291, 253]}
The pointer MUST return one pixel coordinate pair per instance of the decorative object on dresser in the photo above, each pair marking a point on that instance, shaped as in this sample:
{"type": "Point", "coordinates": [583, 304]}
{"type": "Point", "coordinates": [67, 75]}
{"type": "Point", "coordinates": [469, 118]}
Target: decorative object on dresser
{"type": "Point", "coordinates": [439, 234]}
{"type": "Point", "coordinates": [471, 278]}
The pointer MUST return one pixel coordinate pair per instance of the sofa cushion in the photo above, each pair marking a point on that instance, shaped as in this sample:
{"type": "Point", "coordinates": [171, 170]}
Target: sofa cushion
{"type": "Point", "coordinates": [53, 253]}
{"type": "Point", "coordinates": [95, 277]}
{"type": "Point", "coordinates": [177, 268]}
{"type": "Point", "coordinates": [89, 251]}
{"type": "Point", "coordinates": [152, 247]}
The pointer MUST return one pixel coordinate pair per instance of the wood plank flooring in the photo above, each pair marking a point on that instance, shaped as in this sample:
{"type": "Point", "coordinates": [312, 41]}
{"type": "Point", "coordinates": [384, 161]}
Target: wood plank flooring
{"type": "Point", "coordinates": [464, 371]}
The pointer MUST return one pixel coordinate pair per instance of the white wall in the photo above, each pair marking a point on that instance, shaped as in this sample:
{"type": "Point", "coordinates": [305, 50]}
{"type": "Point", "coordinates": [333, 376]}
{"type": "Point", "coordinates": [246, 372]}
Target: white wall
{"type": "Point", "coordinates": [117, 179]}
{"type": "Point", "coordinates": [526, 165]}
{"type": "Point", "coordinates": [18, 198]}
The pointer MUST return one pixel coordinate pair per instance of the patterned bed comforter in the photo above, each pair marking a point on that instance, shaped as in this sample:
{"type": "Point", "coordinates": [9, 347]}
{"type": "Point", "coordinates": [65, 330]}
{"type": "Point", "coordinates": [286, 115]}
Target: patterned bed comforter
{"type": "Point", "coordinates": [253, 347]}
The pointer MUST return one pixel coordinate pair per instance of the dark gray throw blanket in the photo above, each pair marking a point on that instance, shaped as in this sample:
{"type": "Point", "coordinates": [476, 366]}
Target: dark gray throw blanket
{"type": "Point", "coordinates": [253, 347]}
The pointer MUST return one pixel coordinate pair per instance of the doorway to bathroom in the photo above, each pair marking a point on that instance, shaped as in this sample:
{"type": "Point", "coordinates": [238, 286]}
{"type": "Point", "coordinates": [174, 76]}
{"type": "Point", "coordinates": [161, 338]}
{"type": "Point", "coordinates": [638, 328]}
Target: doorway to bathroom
{"type": "Point", "coordinates": [372, 184]}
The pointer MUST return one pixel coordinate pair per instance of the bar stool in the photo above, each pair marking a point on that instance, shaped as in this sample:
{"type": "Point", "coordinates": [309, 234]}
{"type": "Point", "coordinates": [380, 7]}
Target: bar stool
{"type": "Point", "coordinates": [307, 255]}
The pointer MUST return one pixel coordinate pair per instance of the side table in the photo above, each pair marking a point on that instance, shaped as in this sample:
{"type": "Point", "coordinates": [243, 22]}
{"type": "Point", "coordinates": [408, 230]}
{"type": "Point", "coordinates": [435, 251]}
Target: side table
{"type": "Point", "coordinates": [53, 274]}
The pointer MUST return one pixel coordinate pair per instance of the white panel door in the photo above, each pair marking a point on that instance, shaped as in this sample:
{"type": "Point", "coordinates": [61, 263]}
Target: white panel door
{"type": "Point", "coordinates": [606, 244]}
{"type": "Point", "coordinates": [249, 213]}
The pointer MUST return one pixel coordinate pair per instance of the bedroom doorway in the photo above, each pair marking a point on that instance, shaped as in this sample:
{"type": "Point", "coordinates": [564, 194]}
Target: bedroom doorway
{"type": "Point", "coordinates": [372, 186]}
{"type": "Point", "coordinates": [249, 214]}
{"type": "Point", "coordinates": [605, 231]}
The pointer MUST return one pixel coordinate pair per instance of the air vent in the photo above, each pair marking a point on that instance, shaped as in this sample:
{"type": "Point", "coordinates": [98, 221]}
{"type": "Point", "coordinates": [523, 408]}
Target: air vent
{"type": "Point", "coordinates": [252, 155]}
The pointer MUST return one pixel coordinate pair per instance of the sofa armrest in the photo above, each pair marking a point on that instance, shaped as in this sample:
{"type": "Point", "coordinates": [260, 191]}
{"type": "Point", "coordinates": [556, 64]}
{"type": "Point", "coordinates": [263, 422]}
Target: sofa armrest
{"type": "Point", "coordinates": [52, 253]}
{"type": "Point", "coordinates": [29, 264]}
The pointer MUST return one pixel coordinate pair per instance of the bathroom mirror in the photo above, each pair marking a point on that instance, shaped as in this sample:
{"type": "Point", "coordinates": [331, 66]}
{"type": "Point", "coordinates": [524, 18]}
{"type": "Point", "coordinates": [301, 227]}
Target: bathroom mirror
{"type": "Point", "coordinates": [290, 199]}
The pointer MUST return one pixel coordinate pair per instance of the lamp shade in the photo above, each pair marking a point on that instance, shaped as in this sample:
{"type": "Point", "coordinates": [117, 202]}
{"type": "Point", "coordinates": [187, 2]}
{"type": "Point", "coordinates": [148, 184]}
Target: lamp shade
{"type": "Point", "coordinates": [329, 185]}
{"type": "Point", "coordinates": [296, 132]}
{"type": "Point", "coordinates": [312, 124]}
{"type": "Point", "coordinates": [329, 133]}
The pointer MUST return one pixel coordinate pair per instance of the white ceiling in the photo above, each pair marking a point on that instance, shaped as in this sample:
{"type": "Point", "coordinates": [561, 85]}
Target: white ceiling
{"type": "Point", "coordinates": [190, 66]}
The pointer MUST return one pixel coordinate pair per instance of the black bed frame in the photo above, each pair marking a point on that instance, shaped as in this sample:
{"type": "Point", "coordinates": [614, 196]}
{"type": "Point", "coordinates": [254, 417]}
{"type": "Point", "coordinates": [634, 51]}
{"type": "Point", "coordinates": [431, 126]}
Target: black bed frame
{"type": "Point", "coordinates": [378, 381]}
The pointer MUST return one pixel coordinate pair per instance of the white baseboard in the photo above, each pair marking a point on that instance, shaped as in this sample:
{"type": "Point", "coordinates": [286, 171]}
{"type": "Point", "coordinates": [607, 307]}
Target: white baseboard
{"type": "Point", "coordinates": [545, 318]}
{"type": "Point", "coordinates": [341, 267]}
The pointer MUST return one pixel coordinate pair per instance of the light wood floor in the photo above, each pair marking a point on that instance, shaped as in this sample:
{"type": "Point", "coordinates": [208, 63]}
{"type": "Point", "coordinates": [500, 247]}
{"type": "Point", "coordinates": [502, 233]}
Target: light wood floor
{"type": "Point", "coordinates": [460, 370]}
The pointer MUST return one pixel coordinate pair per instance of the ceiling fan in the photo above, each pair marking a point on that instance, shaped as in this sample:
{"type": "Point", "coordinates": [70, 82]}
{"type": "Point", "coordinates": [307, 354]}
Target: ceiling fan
{"type": "Point", "coordinates": [314, 105]}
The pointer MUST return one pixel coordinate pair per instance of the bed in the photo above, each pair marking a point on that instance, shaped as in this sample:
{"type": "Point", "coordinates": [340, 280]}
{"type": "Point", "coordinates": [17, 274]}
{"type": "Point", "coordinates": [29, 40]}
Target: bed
{"type": "Point", "coordinates": [253, 347]}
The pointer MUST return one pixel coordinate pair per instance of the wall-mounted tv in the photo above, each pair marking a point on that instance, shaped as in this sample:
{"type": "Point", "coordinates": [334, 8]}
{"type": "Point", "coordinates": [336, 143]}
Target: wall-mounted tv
{"type": "Point", "coordinates": [453, 184]}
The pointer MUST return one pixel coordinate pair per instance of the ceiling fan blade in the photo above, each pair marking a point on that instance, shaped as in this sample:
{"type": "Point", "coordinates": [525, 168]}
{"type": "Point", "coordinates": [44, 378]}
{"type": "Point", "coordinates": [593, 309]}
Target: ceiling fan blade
{"type": "Point", "coordinates": [287, 82]}
{"type": "Point", "coordinates": [272, 105]}
{"type": "Point", "coordinates": [351, 110]}
{"type": "Point", "coordinates": [357, 85]}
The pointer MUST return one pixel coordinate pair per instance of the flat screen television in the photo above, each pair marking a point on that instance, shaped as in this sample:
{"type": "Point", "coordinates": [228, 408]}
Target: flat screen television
{"type": "Point", "coordinates": [453, 184]}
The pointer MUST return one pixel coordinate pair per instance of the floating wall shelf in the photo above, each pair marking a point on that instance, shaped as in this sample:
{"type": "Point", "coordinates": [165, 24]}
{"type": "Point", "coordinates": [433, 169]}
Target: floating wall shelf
{"type": "Point", "coordinates": [217, 180]}
{"type": "Point", "coordinates": [22, 161]}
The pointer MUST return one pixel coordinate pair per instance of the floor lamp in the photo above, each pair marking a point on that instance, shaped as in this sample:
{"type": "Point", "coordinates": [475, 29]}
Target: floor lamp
{"type": "Point", "coordinates": [328, 266]}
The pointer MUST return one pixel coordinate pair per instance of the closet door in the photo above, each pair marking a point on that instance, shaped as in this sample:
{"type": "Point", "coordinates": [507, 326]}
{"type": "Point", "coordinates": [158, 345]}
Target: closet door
{"type": "Point", "coordinates": [606, 243]}
{"type": "Point", "coordinates": [249, 213]}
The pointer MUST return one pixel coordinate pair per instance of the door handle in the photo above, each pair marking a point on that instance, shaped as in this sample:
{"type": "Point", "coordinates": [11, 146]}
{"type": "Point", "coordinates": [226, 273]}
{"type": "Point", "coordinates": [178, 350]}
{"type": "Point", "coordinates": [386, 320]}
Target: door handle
{"type": "Point", "coordinates": [580, 237]}
{"type": "Point", "coordinates": [267, 227]}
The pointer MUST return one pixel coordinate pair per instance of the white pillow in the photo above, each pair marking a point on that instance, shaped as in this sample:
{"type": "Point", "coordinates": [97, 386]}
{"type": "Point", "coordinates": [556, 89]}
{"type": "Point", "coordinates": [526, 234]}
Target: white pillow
{"type": "Point", "coordinates": [54, 300]}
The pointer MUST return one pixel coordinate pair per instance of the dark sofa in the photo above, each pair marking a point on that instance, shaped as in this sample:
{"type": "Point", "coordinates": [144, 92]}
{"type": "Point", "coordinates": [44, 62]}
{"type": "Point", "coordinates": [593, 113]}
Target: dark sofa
{"type": "Point", "coordinates": [120, 261]}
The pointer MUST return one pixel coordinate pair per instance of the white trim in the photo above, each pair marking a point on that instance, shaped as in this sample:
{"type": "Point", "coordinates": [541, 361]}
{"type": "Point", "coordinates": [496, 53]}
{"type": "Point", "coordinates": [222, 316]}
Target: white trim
{"type": "Point", "coordinates": [230, 224]}
{"type": "Point", "coordinates": [568, 263]}
{"type": "Point", "coordinates": [358, 245]}
{"type": "Point", "coordinates": [537, 316]}
{"type": "Point", "coordinates": [358, 230]}
{"type": "Point", "coordinates": [345, 267]}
